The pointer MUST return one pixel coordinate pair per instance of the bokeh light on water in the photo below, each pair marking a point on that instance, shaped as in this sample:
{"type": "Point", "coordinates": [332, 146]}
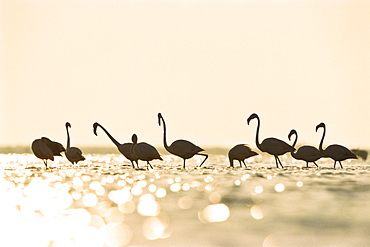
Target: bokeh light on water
{"type": "Point", "coordinates": [104, 202]}
{"type": "Point", "coordinates": [215, 213]}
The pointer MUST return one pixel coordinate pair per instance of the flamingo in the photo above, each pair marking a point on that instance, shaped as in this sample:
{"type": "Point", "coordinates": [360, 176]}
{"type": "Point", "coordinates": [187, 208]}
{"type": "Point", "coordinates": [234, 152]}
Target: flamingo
{"type": "Point", "coordinates": [334, 151]}
{"type": "Point", "coordinates": [181, 148]}
{"type": "Point", "coordinates": [271, 145]}
{"type": "Point", "coordinates": [45, 149]}
{"type": "Point", "coordinates": [122, 148]}
{"type": "Point", "coordinates": [73, 154]}
{"type": "Point", "coordinates": [240, 152]}
{"type": "Point", "coordinates": [55, 147]}
{"type": "Point", "coordinates": [306, 153]}
{"type": "Point", "coordinates": [143, 151]}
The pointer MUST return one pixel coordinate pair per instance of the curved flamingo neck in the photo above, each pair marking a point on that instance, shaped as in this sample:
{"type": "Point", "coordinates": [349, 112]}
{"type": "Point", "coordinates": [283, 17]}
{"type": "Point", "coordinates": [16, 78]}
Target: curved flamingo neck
{"type": "Point", "coordinates": [295, 142]}
{"type": "Point", "coordinates": [110, 136]}
{"type": "Point", "coordinates": [134, 143]}
{"type": "Point", "coordinates": [164, 134]}
{"type": "Point", "coordinates": [68, 138]}
{"type": "Point", "coordinates": [322, 138]}
{"type": "Point", "coordinates": [257, 133]}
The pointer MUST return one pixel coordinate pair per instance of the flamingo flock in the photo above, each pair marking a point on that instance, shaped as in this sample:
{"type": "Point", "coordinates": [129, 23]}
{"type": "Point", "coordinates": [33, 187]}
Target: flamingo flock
{"type": "Point", "coordinates": [45, 149]}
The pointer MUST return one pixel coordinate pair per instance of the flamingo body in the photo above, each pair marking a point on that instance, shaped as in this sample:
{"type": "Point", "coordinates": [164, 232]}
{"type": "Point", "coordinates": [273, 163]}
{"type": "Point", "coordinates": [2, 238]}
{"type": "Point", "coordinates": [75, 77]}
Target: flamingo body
{"type": "Point", "coordinates": [240, 152]}
{"type": "Point", "coordinates": [275, 146]}
{"type": "Point", "coordinates": [182, 148]}
{"type": "Point", "coordinates": [307, 153]}
{"type": "Point", "coordinates": [271, 145]}
{"type": "Point", "coordinates": [144, 151]}
{"type": "Point", "coordinates": [74, 155]}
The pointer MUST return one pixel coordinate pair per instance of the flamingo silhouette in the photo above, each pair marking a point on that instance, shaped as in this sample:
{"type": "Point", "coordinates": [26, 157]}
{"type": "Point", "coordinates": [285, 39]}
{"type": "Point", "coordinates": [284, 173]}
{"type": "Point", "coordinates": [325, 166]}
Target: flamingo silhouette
{"type": "Point", "coordinates": [45, 149]}
{"type": "Point", "coordinates": [271, 145]}
{"type": "Point", "coordinates": [334, 151]}
{"type": "Point", "coordinates": [240, 152]}
{"type": "Point", "coordinates": [73, 154]}
{"type": "Point", "coordinates": [181, 148]}
{"type": "Point", "coordinates": [124, 148]}
{"type": "Point", "coordinates": [306, 153]}
{"type": "Point", "coordinates": [143, 151]}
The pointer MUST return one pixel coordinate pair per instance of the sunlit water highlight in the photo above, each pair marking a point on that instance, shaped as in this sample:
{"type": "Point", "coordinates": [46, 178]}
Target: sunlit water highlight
{"type": "Point", "coordinates": [103, 202]}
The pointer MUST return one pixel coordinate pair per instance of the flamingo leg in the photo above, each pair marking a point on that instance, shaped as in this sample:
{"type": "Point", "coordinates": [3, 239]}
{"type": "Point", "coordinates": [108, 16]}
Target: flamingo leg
{"type": "Point", "coordinates": [137, 164]}
{"type": "Point", "coordinates": [204, 159]}
{"type": "Point", "coordinates": [307, 164]}
{"type": "Point", "coordinates": [335, 163]}
{"type": "Point", "coordinates": [244, 164]}
{"type": "Point", "coordinates": [133, 164]}
{"type": "Point", "coordinates": [315, 163]}
{"type": "Point", "coordinates": [148, 164]}
{"type": "Point", "coordinates": [46, 163]}
{"type": "Point", "coordinates": [280, 163]}
{"type": "Point", "coordinates": [231, 163]}
{"type": "Point", "coordinates": [240, 163]}
{"type": "Point", "coordinates": [184, 164]}
{"type": "Point", "coordinates": [340, 164]}
{"type": "Point", "coordinates": [278, 160]}
{"type": "Point", "coordinates": [277, 165]}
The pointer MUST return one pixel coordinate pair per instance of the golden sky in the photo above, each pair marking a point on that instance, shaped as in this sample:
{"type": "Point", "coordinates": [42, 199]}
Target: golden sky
{"type": "Point", "coordinates": [206, 65]}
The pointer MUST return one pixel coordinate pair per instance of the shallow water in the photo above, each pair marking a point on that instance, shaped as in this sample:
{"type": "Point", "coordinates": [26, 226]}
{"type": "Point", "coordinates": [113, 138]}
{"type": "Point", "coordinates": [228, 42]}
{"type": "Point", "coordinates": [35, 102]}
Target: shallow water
{"type": "Point", "coordinates": [104, 202]}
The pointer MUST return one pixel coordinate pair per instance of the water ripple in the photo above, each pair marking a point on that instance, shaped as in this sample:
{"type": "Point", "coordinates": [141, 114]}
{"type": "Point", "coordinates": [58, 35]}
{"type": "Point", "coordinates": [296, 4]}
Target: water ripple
{"type": "Point", "coordinates": [104, 202]}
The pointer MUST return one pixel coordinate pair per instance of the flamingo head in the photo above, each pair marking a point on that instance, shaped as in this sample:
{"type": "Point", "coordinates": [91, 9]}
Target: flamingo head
{"type": "Point", "coordinates": [159, 118]}
{"type": "Point", "coordinates": [253, 116]}
{"type": "Point", "coordinates": [95, 127]}
{"type": "Point", "coordinates": [292, 132]}
{"type": "Point", "coordinates": [321, 125]}
{"type": "Point", "coordinates": [45, 139]}
{"type": "Point", "coordinates": [134, 138]}
{"type": "Point", "coordinates": [68, 125]}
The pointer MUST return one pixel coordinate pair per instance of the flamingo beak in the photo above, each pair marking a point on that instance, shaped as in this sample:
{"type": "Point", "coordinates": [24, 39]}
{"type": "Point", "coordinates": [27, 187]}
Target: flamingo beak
{"type": "Point", "coordinates": [254, 115]}
{"type": "Point", "coordinates": [95, 127]}
{"type": "Point", "coordinates": [159, 119]}
{"type": "Point", "coordinates": [248, 120]}
{"type": "Point", "coordinates": [320, 125]}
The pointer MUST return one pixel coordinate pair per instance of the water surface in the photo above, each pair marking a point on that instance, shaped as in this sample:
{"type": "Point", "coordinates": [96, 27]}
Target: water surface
{"type": "Point", "coordinates": [104, 202]}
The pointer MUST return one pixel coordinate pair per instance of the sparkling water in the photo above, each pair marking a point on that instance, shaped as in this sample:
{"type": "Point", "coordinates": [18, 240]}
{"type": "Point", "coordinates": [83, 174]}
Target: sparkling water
{"type": "Point", "coordinates": [104, 202]}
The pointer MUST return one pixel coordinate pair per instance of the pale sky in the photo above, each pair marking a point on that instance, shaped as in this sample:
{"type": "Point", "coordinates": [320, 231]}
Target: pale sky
{"type": "Point", "coordinates": [205, 65]}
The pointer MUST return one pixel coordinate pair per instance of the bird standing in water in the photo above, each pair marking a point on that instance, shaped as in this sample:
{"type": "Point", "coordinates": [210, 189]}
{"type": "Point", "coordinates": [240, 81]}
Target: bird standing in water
{"type": "Point", "coordinates": [305, 153]}
{"type": "Point", "coordinates": [124, 148]}
{"type": "Point", "coordinates": [181, 148]}
{"type": "Point", "coordinates": [271, 145]}
{"type": "Point", "coordinates": [143, 151]}
{"type": "Point", "coordinates": [240, 152]}
{"type": "Point", "coordinates": [73, 154]}
{"type": "Point", "coordinates": [45, 149]}
{"type": "Point", "coordinates": [337, 152]}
